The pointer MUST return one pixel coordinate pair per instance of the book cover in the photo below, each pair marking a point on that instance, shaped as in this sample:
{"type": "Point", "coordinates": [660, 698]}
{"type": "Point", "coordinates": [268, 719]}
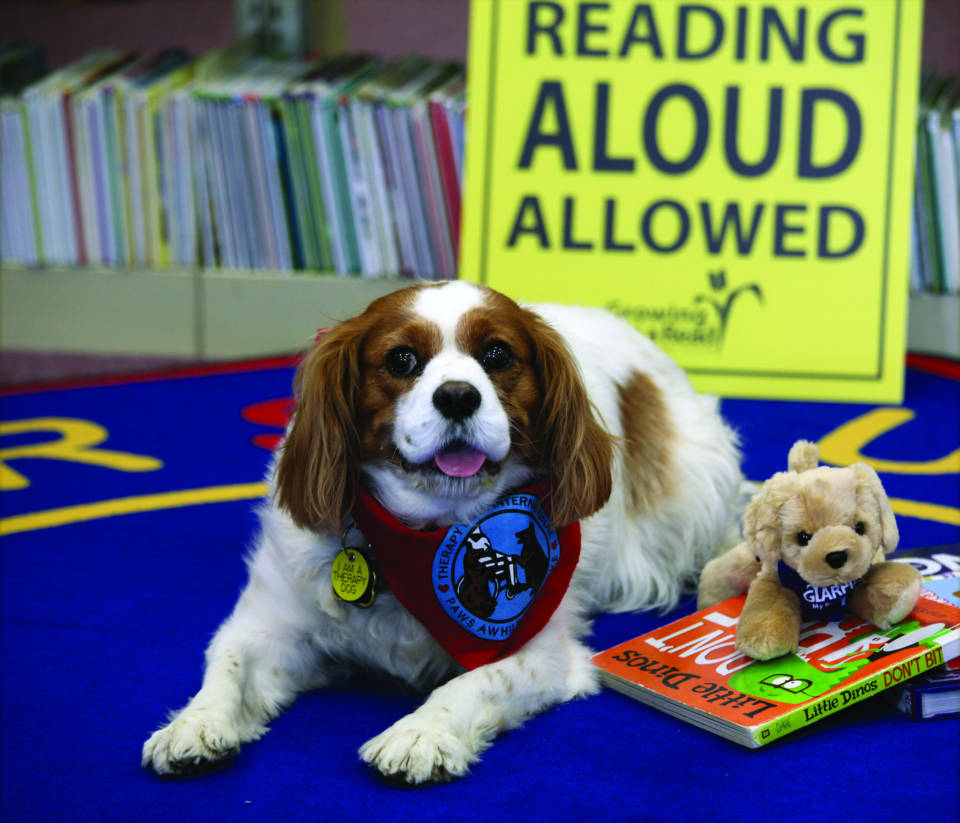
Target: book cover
{"type": "Point", "coordinates": [942, 560]}
{"type": "Point", "coordinates": [691, 669]}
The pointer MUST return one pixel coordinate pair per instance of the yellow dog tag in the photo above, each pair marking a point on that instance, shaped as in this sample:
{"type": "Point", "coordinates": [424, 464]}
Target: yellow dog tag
{"type": "Point", "coordinates": [352, 578]}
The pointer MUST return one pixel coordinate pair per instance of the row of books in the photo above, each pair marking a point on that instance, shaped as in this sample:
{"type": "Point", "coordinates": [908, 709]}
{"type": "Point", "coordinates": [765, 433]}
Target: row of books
{"type": "Point", "coordinates": [935, 262]}
{"type": "Point", "coordinates": [235, 161]}
{"type": "Point", "coordinates": [351, 165]}
{"type": "Point", "coordinates": [691, 670]}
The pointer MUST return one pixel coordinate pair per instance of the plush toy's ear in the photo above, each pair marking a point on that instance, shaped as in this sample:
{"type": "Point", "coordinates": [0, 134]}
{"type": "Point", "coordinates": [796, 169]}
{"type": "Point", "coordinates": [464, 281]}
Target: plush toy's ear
{"type": "Point", "coordinates": [803, 456]}
{"type": "Point", "coordinates": [869, 486]}
{"type": "Point", "coordinates": [761, 518]}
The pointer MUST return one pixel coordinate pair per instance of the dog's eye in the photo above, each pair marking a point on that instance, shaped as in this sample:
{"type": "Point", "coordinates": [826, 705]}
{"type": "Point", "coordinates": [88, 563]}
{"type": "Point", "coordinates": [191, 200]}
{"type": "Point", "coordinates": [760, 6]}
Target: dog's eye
{"type": "Point", "coordinates": [496, 356]}
{"type": "Point", "coordinates": [803, 538]}
{"type": "Point", "coordinates": [860, 528]}
{"type": "Point", "coordinates": [402, 362]}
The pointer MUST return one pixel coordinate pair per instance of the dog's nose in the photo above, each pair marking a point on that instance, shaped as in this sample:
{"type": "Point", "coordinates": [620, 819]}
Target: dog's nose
{"type": "Point", "coordinates": [836, 559]}
{"type": "Point", "coordinates": [456, 399]}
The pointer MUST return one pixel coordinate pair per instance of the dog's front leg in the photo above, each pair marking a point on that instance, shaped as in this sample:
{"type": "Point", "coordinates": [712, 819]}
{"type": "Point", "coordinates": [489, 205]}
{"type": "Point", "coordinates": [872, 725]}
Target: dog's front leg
{"type": "Point", "coordinates": [459, 720]}
{"type": "Point", "coordinates": [256, 664]}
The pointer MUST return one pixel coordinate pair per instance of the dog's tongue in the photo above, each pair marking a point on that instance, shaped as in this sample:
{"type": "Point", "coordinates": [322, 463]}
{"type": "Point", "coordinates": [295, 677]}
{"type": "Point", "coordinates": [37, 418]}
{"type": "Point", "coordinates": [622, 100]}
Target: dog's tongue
{"type": "Point", "coordinates": [459, 461]}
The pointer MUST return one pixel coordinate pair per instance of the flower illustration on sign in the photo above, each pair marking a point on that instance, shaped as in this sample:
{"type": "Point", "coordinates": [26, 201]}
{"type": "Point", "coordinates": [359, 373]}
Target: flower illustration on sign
{"type": "Point", "coordinates": [723, 304]}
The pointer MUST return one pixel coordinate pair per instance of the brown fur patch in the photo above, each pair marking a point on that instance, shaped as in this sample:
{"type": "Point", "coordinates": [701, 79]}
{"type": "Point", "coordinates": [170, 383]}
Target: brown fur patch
{"type": "Point", "coordinates": [551, 416]}
{"type": "Point", "coordinates": [380, 390]}
{"type": "Point", "coordinates": [648, 441]}
{"type": "Point", "coordinates": [500, 319]}
{"type": "Point", "coordinates": [345, 407]}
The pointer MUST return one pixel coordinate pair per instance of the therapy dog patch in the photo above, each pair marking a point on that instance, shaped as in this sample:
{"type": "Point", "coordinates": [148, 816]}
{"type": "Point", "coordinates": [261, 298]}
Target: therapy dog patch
{"type": "Point", "coordinates": [482, 589]}
{"type": "Point", "coordinates": [486, 574]}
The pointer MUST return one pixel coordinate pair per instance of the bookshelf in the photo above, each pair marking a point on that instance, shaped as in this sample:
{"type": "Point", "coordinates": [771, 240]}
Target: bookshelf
{"type": "Point", "coordinates": [245, 314]}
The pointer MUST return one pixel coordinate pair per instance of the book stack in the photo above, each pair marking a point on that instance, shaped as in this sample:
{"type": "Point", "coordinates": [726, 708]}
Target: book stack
{"type": "Point", "coordinates": [935, 263]}
{"type": "Point", "coordinates": [691, 668]}
{"type": "Point", "coordinates": [384, 145]}
{"type": "Point", "coordinates": [236, 162]}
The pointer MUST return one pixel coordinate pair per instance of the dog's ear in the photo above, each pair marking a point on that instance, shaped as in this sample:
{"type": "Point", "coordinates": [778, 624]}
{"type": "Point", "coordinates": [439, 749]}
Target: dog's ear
{"type": "Point", "coordinates": [570, 442]}
{"type": "Point", "coordinates": [761, 518]}
{"type": "Point", "coordinates": [871, 497]}
{"type": "Point", "coordinates": [318, 474]}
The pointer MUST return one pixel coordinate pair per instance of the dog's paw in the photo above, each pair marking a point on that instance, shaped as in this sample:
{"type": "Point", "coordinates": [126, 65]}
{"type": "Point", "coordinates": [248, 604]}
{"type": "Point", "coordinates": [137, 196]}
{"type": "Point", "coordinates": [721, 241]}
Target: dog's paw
{"type": "Point", "coordinates": [418, 753]}
{"type": "Point", "coordinates": [194, 741]}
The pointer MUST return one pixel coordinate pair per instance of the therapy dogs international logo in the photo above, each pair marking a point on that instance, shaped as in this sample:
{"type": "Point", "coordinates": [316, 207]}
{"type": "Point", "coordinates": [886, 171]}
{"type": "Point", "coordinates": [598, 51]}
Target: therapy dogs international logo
{"type": "Point", "coordinates": [486, 574]}
{"type": "Point", "coordinates": [701, 322]}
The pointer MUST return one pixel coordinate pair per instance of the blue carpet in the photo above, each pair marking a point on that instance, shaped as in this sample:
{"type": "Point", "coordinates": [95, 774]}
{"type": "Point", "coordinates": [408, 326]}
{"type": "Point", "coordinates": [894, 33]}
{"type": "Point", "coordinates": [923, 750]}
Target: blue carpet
{"type": "Point", "coordinates": [105, 619]}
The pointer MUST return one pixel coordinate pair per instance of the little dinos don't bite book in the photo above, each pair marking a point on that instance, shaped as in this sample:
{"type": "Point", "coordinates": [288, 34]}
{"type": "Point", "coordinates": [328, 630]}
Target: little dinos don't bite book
{"type": "Point", "coordinates": [691, 669]}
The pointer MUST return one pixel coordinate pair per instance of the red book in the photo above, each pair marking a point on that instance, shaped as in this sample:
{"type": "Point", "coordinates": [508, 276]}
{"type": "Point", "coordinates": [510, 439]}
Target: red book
{"type": "Point", "coordinates": [448, 169]}
{"type": "Point", "coordinates": [74, 184]}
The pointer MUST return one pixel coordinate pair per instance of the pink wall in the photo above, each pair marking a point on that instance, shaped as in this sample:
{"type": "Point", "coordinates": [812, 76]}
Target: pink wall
{"type": "Point", "coordinates": [70, 29]}
{"type": "Point", "coordinates": [941, 35]}
{"type": "Point", "coordinates": [436, 28]}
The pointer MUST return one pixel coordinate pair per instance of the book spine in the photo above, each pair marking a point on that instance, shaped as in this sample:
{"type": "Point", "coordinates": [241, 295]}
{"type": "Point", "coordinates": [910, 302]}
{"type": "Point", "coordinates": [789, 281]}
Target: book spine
{"type": "Point", "coordinates": [74, 219]}
{"type": "Point", "coordinates": [201, 172]}
{"type": "Point", "coordinates": [338, 170]}
{"type": "Point", "coordinates": [336, 232]}
{"type": "Point", "coordinates": [306, 247]}
{"type": "Point", "coordinates": [405, 234]}
{"type": "Point", "coordinates": [32, 180]}
{"type": "Point", "coordinates": [836, 700]}
{"type": "Point", "coordinates": [448, 170]}
{"type": "Point", "coordinates": [929, 183]}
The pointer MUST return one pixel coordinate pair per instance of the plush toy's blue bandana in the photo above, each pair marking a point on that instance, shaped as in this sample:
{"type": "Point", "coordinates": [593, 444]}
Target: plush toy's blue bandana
{"type": "Point", "coordinates": [816, 602]}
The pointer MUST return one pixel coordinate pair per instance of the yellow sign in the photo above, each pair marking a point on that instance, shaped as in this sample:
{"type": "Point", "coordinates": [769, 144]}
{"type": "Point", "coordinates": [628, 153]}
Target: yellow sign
{"type": "Point", "coordinates": [735, 179]}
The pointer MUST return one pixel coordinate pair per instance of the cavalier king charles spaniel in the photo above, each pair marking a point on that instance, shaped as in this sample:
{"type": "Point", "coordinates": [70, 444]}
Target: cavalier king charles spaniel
{"type": "Point", "coordinates": [463, 483]}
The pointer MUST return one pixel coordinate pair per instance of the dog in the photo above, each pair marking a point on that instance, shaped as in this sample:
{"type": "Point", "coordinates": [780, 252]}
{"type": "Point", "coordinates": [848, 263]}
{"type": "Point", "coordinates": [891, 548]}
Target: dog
{"type": "Point", "coordinates": [440, 404]}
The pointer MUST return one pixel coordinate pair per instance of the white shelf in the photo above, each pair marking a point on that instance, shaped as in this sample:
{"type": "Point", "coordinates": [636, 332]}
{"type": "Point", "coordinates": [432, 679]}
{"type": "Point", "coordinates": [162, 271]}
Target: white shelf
{"type": "Point", "coordinates": [223, 315]}
{"type": "Point", "coordinates": [933, 325]}
{"type": "Point", "coordinates": [183, 313]}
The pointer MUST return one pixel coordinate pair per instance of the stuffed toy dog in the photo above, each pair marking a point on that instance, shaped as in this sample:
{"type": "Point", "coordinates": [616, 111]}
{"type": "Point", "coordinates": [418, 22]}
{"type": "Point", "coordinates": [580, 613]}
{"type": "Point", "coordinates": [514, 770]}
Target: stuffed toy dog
{"type": "Point", "coordinates": [814, 542]}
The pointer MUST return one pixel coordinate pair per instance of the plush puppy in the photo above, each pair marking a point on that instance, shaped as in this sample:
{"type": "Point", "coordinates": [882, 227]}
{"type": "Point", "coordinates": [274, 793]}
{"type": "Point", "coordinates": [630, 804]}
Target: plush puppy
{"type": "Point", "coordinates": [814, 542]}
{"type": "Point", "coordinates": [463, 482]}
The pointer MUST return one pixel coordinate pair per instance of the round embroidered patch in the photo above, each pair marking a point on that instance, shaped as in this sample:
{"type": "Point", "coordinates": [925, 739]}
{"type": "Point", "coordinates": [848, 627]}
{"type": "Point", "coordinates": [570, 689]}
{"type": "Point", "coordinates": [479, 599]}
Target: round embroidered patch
{"type": "Point", "coordinates": [486, 574]}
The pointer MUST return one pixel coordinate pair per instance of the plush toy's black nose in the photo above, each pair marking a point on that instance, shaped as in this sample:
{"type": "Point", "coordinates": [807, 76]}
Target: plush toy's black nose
{"type": "Point", "coordinates": [836, 559]}
{"type": "Point", "coordinates": [456, 399]}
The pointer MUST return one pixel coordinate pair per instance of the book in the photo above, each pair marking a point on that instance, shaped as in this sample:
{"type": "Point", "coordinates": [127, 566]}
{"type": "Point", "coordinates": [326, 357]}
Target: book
{"type": "Point", "coordinates": [933, 694]}
{"type": "Point", "coordinates": [21, 63]}
{"type": "Point", "coordinates": [691, 669]}
{"type": "Point", "coordinates": [931, 561]}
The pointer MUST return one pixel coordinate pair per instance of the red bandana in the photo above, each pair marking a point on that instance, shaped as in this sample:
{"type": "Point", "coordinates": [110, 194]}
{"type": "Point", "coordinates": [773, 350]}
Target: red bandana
{"type": "Point", "coordinates": [482, 589]}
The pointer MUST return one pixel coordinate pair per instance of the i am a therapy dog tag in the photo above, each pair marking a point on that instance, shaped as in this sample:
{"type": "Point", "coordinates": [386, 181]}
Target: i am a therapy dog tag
{"type": "Point", "coordinates": [352, 576]}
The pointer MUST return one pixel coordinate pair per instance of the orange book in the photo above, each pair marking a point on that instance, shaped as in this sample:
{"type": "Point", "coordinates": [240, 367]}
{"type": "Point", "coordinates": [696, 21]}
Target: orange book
{"type": "Point", "coordinates": [692, 670]}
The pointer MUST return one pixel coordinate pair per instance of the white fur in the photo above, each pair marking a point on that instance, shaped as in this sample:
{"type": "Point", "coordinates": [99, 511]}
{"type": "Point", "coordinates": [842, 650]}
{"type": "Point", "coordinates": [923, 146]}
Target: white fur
{"type": "Point", "coordinates": [288, 633]}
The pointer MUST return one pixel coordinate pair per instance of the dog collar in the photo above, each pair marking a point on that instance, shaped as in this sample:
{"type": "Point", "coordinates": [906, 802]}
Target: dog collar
{"type": "Point", "coordinates": [482, 589]}
{"type": "Point", "coordinates": [816, 602]}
